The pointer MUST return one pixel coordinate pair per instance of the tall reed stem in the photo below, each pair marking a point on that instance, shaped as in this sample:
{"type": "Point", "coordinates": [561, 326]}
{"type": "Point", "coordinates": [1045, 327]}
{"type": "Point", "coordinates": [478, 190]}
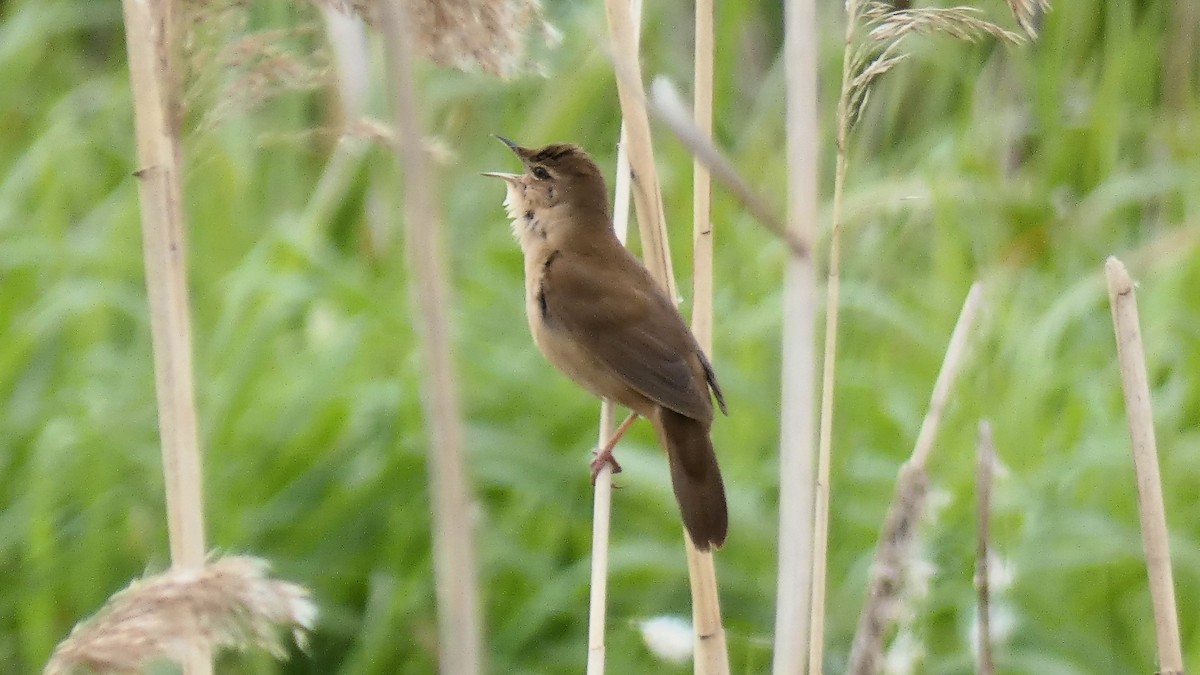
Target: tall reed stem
{"type": "Point", "coordinates": [1155, 540]}
{"type": "Point", "coordinates": [711, 653]}
{"type": "Point", "coordinates": [460, 634]}
{"type": "Point", "coordinates": [151, 43]}
{"type": "Point", "coordinates": [710, 657]}
{"type": "Point", "coordinates": [794, 584]}
{"type": "Point", "coordinates": [602, 490]}
{"type": "Point", "coordinates": [829, 361]}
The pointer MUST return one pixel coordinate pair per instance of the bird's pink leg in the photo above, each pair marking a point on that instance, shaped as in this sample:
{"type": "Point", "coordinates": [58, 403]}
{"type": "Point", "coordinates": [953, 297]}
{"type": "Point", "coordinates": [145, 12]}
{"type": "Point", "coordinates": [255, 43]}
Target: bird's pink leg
{"type": "Point", "coordinates": [605, 455]}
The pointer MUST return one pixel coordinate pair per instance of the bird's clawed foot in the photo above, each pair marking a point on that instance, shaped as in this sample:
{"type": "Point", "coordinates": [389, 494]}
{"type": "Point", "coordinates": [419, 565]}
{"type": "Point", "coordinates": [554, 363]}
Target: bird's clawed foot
{"type": "Point", "coordinates": [604, 456]}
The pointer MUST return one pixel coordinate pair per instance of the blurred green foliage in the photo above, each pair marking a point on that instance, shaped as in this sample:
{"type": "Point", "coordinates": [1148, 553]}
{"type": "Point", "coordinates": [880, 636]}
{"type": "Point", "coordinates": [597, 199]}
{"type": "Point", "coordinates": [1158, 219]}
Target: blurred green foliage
{"type": "Point", "coordinates": [1022, 167]}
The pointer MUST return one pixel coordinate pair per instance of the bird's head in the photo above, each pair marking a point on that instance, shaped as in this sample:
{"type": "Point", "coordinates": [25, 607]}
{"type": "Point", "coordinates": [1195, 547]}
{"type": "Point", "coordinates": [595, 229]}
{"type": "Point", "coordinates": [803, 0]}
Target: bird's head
{"type": "Point", "coordinates": [560, 187]}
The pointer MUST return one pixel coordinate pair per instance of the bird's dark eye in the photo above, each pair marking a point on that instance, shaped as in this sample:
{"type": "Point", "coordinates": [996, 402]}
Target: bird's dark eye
{"type": "Point", "coordinates": [541, 173]}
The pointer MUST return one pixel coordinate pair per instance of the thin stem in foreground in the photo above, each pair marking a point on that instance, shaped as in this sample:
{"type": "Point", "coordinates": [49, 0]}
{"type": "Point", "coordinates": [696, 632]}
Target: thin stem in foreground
{"type": "Point", "coordinates": [460, 634]}
{"type": "Point", "coordinates": [829, 360]}
{"type": "Point", "coordinates": [1136, 386]}
{"type": "Point", "coordinates": [666, 103]}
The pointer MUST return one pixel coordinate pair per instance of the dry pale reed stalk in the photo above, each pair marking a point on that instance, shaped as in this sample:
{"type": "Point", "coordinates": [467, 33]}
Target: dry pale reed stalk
{"type": "Point", "coordinates": [150, 31]}
{"type": "Point", "coordinates": [229, 602]}
{"type": "Point", "coordinates": [460, 638]}
{"type": "Point", "coordinates": [1155, 540]}
{"type": "Point", "coordinates": [603, 486]}
{"type": "Point", "coordinates": [668, 105]}
{"type": "Point", "coordinates": [601, 520]}
{"type": "Point", "coordinates": [797, 371]}
{"type": "Point", "coordinates": [647, 199]}
{"type": "Point", "coordinates": [702, 225]}
{"type": "Point", "coordinates": [820, 536]}
{"type": "Point", "coordinates": [347, 37]}
{"type": "Point", "coordinates": [711, 654]}
{"type": "Point", "coordinates": [984, 462]}
{"type": "Point", "coordinates": [892, 553]}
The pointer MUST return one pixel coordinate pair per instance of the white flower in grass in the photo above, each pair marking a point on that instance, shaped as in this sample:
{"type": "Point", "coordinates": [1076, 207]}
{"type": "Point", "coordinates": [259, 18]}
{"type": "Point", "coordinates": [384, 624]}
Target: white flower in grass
{"type": "Point", "coordinates": [904, 655]}
{"type": "Point", "coordinates": [668, 637]}
{"type": "Point", "coordinates": [1002, 623]}
{"type": "Point", "coordinates": [1002, 572]}
{"type": "Point", "coordinates": [936, 503]}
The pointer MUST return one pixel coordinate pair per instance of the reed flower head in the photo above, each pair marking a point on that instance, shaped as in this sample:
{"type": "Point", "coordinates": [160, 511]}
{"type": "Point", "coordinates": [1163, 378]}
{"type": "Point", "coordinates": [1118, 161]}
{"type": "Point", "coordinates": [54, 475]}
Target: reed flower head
{"type": "Point", "coordinates": [229, 602]}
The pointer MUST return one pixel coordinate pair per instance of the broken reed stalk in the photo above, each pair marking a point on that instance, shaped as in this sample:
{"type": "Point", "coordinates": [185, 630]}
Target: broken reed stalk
{"type": "Point", "coordinates": [602, 488]}
{"type": "Point", "coordinates": [829, 360]}
{"type": "Point", "coordinates": [798, 368]}
{"type": "Point", "coordinates": [711, 653]}
{"type": "Point", "coordinates": [893, 551]}
{"type": "Point", "coordinates": [985, 460]}
{"type": "Point", "coordinates": [1134, 381]}
{"type": "Point", "coordinates": [150, 37]}
{"type": "Point", "coordinates": [710, 656]}
{"type": "Point", "coordinates": [460, 638]}
{"type": "Point", "coordinates": [666, 103]}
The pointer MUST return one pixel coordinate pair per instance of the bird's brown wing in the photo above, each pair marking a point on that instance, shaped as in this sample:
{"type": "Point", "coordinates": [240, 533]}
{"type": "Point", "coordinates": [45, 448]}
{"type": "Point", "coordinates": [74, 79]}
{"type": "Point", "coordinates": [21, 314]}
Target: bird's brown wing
{"type": "Point", "coordinates": [630, 327]}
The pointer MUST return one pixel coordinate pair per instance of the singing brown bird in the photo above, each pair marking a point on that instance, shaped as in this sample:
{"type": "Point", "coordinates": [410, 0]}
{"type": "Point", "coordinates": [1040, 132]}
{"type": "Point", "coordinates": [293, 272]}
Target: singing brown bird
{"type": "Point", "coordinates": [600, 318]}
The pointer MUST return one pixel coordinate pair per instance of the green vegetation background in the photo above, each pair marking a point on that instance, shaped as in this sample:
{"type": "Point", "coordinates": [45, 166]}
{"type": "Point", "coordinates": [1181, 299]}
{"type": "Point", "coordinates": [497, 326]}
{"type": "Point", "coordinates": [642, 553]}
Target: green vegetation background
{"type": "Point", "coordinates": [1023, 167]}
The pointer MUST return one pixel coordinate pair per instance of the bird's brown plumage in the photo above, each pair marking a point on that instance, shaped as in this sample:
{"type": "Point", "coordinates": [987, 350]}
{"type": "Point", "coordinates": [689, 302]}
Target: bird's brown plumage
{"type": "Point", "coordinates": [600, 318]}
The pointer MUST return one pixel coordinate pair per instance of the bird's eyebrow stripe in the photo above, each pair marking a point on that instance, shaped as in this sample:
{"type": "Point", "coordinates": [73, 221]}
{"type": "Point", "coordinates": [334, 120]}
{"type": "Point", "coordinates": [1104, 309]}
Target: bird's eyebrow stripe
{"type": "Point", "coordinates": [552, 152]}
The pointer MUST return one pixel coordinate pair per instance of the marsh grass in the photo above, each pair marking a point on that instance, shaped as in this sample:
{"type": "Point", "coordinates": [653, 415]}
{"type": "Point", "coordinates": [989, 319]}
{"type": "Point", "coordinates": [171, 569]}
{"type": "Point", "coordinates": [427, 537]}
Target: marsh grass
{"type": "Point", "coordinates": [306, 369]}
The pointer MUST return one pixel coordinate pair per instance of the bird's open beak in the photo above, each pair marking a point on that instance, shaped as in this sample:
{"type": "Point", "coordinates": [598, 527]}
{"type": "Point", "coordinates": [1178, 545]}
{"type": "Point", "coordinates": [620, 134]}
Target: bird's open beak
{"type": "Point", "coordinates": [511, 145]}
{"type": "Point", "coordinates": [510, 178]}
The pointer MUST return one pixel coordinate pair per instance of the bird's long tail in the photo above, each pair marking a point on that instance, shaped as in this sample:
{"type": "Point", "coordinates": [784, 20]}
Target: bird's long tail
{"type": "Point", "coordinates": [695, 477]}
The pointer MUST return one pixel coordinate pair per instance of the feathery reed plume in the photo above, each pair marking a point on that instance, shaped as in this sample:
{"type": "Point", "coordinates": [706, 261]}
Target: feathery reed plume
{"type": "Point", "coordinates": [1153, 515]}
{"type": "Point", "coordinates": [460, 630]}
{"type": "Point", "coordinates": [489, 35]}
{"type": "Point", "coordinates": [1028, 14]}
{"type": "Point", "coordinates": [984, 463]}
{"type": "Point", "coordinates": [229, 602]}
{"type": "Point", "coordinates": [885, 24]}
{"type": "Point", "coordinates": [895, 540]}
